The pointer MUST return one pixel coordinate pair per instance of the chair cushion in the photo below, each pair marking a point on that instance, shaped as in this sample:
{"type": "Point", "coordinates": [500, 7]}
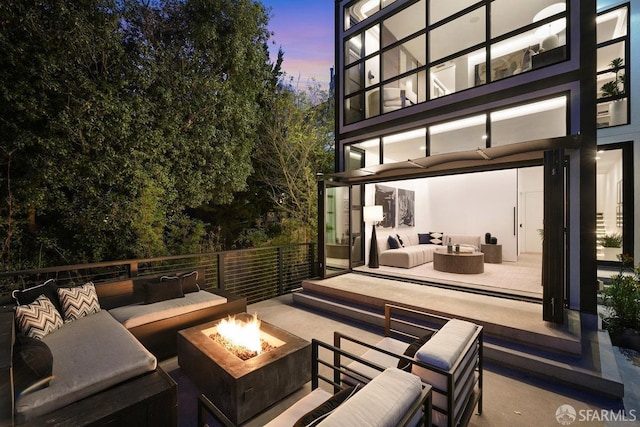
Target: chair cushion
{"type": "Point", "coordinates": [321, 411]}
{"type": "Point", "coordinates": [444, 348]}
{"type": "Point", "coordinates": [300, 408]}
{"type": "Point", "coordinates": [381, 402]}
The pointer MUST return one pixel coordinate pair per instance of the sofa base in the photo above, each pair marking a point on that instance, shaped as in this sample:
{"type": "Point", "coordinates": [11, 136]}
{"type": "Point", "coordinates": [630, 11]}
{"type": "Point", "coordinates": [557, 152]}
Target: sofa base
{"type": "Point", "coordinates": [161, 337]}
{"type": "Point", "coordinates": [149, 400]}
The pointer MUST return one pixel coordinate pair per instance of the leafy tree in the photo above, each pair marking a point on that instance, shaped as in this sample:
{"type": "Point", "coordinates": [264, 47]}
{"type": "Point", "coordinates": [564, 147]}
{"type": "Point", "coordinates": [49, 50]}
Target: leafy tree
{"type": "Point", "coordinates": [117, 117]}
{"type": "Point", "coordinates": [296, 143]}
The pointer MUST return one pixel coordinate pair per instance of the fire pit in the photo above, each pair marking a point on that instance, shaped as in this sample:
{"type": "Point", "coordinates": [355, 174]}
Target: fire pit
{"type": "Point", "coordinates": [243, 388]}
{"type": "Point", "coordinates": [244, 339]}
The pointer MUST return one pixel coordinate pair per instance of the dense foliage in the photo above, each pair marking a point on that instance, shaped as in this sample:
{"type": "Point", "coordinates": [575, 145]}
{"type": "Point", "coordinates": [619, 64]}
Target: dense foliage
{"type": "Point", "coordinates": [118, 118]}
{"type": "Point", "coordinates": [621, 298]}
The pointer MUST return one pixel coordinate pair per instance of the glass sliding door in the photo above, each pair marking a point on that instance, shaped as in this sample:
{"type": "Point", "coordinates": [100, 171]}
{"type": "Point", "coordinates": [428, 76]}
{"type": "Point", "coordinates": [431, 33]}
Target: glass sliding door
{"type": "Point", "coordinates": [335, 238]}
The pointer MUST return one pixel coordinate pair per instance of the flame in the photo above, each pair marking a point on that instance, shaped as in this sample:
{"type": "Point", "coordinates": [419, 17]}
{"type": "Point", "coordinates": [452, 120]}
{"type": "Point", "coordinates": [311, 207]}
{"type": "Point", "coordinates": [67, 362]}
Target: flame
{"type": "Point", "coordinates": [242, 334]}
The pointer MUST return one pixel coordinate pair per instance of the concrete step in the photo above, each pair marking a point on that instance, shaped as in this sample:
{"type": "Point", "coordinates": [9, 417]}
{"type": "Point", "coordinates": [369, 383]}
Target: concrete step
{"type": "Point", "coordinates": [565, 340]}
{"type": "Point", "coordinates": [531, 359]}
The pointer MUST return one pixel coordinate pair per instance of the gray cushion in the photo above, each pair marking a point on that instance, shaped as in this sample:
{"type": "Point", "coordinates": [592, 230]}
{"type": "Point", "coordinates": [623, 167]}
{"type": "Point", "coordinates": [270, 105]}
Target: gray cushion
{"type": "Point", "coordinates": [444, 348]}
{"type": "Point", "coordinates": [381, 402]}
{"type": "Point", "coordinates": [141, 314]}
{"type": "Point", "coordinates": [91, 354]}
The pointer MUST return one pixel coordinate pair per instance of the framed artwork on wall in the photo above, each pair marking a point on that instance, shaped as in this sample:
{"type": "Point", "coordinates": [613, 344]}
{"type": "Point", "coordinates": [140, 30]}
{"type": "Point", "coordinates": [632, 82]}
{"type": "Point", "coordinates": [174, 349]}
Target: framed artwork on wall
{"type": "Point", "coordinates": [386, 196]}
{"type": "Point", "coordinates": [406, 210]}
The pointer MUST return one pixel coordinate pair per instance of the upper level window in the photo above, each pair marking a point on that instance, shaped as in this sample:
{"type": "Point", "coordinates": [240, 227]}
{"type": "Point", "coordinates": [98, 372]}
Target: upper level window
{"type": "Point", "coordinates": [404, 23]}
{"type": "Point", "coordinates": [507, 125]}
{"type": "Point", "coordinates": [613, 49]}
{"type": "Point", "coordinates": [441, 9]}
{"type": "Point", "coordinates": [426, 49]}
{"type": "Point", "coordinates": [360, 10]}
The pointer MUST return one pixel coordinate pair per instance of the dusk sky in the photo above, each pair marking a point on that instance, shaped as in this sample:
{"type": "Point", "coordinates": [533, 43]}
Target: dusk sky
{"type": "Point", "coordinates": [304, 30]}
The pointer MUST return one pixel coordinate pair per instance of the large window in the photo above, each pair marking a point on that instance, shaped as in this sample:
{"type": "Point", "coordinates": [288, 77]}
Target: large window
{"type": "Point", "coordinates": [427, 49]}
{"type": "Point", "coordinates": [360, 10]}
{"type": "Point", "coordinates": [509, 125]}
{"type": "Point", "coordinates": [613, 51]}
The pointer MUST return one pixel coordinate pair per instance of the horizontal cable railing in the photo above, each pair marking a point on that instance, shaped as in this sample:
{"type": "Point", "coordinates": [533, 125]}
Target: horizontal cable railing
{"type": "Point", "coordinates": [257, 274]}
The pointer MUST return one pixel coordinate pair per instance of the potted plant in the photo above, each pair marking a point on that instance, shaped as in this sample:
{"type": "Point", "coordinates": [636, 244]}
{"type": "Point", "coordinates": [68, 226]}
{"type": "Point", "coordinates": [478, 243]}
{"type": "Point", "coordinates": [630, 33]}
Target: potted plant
{"type": "Point", "coordinates": [616, 88]}
{"type": "Point", "coordinates": [621, 300]}
{"type": "Point", "coordinates": [611, 244]}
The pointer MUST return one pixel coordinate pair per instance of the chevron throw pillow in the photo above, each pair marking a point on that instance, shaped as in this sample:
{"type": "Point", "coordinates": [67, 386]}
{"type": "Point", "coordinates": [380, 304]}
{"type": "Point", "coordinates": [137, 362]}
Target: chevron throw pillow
{"type": "Point", "coordinates": [79, 301]}
{"type": "Point", "coordinates": [38, 318]}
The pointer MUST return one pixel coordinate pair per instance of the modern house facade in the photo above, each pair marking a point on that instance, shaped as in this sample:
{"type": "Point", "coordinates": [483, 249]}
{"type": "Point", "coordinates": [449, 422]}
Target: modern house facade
{"type": "Point", "coordinates": [474, 117]}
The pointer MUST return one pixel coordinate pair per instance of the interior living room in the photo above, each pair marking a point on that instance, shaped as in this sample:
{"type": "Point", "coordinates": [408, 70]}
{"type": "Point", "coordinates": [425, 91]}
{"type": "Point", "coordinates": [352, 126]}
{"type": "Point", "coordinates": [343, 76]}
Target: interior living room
{"type": "Point", "coordinates": [505, 205]}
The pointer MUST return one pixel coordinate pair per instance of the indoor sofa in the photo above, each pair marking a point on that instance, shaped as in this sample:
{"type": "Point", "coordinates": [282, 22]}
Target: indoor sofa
{"type": "Point", "coordinates": [415, 249]}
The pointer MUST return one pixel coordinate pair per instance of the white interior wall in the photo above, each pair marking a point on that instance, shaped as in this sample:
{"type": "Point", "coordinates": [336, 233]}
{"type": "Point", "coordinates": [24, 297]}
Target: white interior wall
{"type": "Point", "coordinates": [460, 204]}
{"type": "Point", "coordinates": [530, 188]}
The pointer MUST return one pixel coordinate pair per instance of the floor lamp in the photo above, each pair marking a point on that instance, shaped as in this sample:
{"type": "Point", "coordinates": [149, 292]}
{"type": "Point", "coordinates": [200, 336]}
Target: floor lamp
{"type": "Point", "coordinates": [373, 214]}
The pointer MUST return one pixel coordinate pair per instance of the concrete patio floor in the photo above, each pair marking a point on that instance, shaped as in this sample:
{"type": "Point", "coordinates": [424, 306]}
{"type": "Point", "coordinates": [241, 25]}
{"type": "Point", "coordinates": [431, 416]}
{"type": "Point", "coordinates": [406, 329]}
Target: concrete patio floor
{"type": "Point", "coordinates": [510, 397]}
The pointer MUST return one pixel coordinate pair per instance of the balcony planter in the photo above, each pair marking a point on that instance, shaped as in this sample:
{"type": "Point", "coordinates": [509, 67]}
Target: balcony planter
{"type": "Point", "coordinates": [621, 300]}
{"type": "Point", "coordinates": [611, 244]}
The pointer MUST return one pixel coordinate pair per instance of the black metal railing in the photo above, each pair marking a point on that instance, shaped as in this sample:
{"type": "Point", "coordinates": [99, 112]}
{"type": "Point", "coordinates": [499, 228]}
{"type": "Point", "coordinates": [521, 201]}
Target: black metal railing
{"type": "Point", "coordinates": [257, 274]}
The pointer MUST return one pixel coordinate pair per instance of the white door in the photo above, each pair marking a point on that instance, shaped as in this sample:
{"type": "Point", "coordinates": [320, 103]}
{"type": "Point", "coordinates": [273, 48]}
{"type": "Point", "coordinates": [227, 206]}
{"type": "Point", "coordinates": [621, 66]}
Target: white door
{"type": "Point", "coordinates": [533, 221]}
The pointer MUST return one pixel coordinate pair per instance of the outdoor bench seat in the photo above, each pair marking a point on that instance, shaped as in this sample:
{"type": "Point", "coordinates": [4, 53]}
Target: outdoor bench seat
{"type": "Point", "coordinates": [450, 361]}
{"type": "Point", "coordinates": [156, 325]}
{"type": "Point", "coordinates": [393, 397]}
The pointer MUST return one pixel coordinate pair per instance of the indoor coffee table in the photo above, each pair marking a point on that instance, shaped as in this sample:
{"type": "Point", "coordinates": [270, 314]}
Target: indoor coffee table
{"type": "Point", "coordinates": [244, 388]}
{"type": "Point", "coordinates": [461, 263]}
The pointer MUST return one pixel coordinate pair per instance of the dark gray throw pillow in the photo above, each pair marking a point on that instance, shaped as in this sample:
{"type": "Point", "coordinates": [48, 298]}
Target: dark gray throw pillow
{"type": "Point", "coordinates": [317, 415]}
{"type": "Point", "coordinates": [190, 282]}
{"type": "Point", "coordinates": [393, 243]}
{"type": "Point", "coordinates": [168, 288]}
{"type": "Point", "coordinates": [29, 295]}
{"type": "Point", "coordinates": [412, 350]}
{"type": "Point", "coordinates": [33, 364]}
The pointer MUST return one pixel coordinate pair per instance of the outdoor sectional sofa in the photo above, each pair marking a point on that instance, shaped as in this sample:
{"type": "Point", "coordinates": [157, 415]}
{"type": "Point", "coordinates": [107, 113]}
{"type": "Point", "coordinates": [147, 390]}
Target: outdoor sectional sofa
{"type": "Point", "coordinates": [102, 360]}
{"type": "Point", "coordinates": [417, 248]}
